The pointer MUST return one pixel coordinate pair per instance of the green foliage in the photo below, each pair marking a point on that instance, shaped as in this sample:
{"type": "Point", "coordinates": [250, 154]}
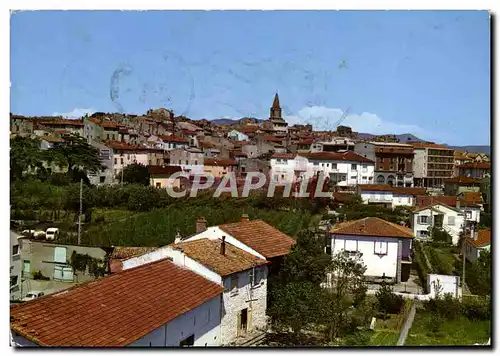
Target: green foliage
{"type": "Point", "coordinates": [294, 305]}
{"type": "Point", "coordinates": [485, 220]}
{"type": "Point", "coordinates": [88, 264]}
{"type": "Point", "coordinates": [478, 274]}
{"type": "Point", "coordinates": [387, 301]}
{"type": "Point", "coordinates": [25, 155]}
{"type": "Point", "coordinates": [358, 338]}
{"type": "Point", "coordinates": [39, 276]}
{"type": "Point", "coordinates": [445, 306]}
{"type": "Point", "coordinates": [442, 261]}
{"type": "Point", "coordinates": [476, 308]}
{"type": "Point", "coordinates": [135, 173]}
{"type": "Point", "coordinates": [423, 268]}
{"type": "Point", "coordinates": [307, 260]}
{"type": "Point", "coordinates": [75, 152]}
{"type": "Point", "coordinates": [440, 235]}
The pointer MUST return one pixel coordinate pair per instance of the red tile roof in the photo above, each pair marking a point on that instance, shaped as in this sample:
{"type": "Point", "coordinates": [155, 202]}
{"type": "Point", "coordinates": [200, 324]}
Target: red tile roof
{"type": "Point", "coordinates": [271, 138]}
{"type": "Point", "coordinates": [116, 310]}
{"type": "Point", "coordinates": [126, 252]}
{"type": "Point", "coordinates": [189, 132]}
{"type": "Point", "coordinates": [427, 200]}
{"type": "Point", "coordinates": [334, 156]}
{"type": "Point", "coordinates": [308, 141]}
{"type": "Point", "coordinates": [476, 165]}
{"type": "Point", "coordinates": [219, 162]}
{"type": "Point", "coordinates": [284, 155]}
{"type": "Point", "coordinates": [430, 145]}
{"type": "Point", "coordinates": [66, 122]}
{"type": "Point", "coordinates": [394, 190]}
{"type": "Point", "coordinates": [171, 138]}
{"type": "Point", "coordinates": [118, 145]}
{"type": "Point", "coordinates": [342, 197]}
{"type": "Point", "coordinates": [239, 154]}
{"type": "Point", "coordinates": [168, 170]}
{"type": "Point", "coordinates": [260, 236]}
{"type": "Point", "coordinates": [208, 253]}
{"type": "Point", "coordinates": [472, 197]}
{"type": "Point", "coordinates": [460, 180]}
{"type": "Point", "coordinates": [372, 227]}
{"type": "Point", "coordinates": [483, 238]}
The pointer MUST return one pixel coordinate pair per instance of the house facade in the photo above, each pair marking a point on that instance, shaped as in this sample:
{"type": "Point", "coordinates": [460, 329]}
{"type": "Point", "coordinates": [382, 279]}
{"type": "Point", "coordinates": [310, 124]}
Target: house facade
{"type": "Point", "coordinates": [15, 266]}
{"type": "Point", "coordinates": [388, 196]}
{"type": "Point", "coordinates": [171, 142]}
{"type": "Point", "coordinates": [237, 135]}
{"type": "Point", "coordinates": [287, 167]}
{"type": "Point", "coordinates": [476, 243]}
{"type": "Point", "coordinates": [439, 215]}
{"type": "Point", "coordinates": [161, 176]}
{"type": "Point", "coordinates": [476, 170]}
{"type": "Point", "coordinates": [343, 169]}
{"type": "Point", "coordinates": [219, 167]}
{"type": "Point", "coordinates": [432, 164]}
{"type": "Point", "coordinates": [384, 247]}
{"type": "Point", "coordinates": [190, 159]}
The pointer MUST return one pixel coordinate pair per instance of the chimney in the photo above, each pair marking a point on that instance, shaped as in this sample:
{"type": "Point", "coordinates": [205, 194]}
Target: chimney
{"type": "Point", "coordinates": [201, 224]}
{"type": "Point", "coordinates": [223, 246]}
{"type": "Point", "coordinates": [244, 217]}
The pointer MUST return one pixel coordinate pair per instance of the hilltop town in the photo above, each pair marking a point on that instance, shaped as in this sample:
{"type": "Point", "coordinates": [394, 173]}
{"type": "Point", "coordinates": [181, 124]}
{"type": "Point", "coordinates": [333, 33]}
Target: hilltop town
{"type": "Point", "coordinates": [104, 253]}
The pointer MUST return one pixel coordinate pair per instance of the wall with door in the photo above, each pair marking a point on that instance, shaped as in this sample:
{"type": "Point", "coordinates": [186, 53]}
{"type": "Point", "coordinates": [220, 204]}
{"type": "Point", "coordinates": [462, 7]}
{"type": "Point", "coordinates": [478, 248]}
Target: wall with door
{"type": "Point", "coordinates": [244, 292]}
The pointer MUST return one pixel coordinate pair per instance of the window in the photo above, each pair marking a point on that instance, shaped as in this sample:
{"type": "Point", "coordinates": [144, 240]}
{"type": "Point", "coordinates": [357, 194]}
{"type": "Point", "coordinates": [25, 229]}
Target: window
{"type": "Point", "coordinates": [468, 215]}
{"type": "Point", "coordinates": [121, 159]}
{"type": "Point", "coordinates": [315, 164]}
{"type": "Point", "coordinates": [128, 156]}
{"type": "Point", "coordinates": [451, 220]}
{"type": "Point", "coordinates": [364, 178]}
{"type": "Point", "coordinates": [15, 250]}
{"type": "Point", "coordinates": [234, 285]}
{"type": "Point", "coordinates": [423, 220]}
{"type": "Point", "coordinates": [353, 177]}
{"type": "Point", "coordinates": [380, 247]}
{"type": "Point", "coordinates": [354, 166]}
{"type": "Point", "coordinates": [423, 233]}
{"type": "Point", "coordinates": [187, 162]}
{"type": "Point", "coordinates": [351, 245]}
{"type": "Point", "coordinates": [158, 185]}
{"type": "Point", "coordinates": [13, 281]}
{"type": "Point", "coordinates": [60, 254]}
{"type": "Point", "coordinates": [196, 162]}
{"type": "Point", "coordinates": [255, 277]}
{"type": "Point", "coordinates": [102, 179]}
{"type": "Point", "coordinates": [107, 136]}
{"type": "Point", "coordinates": [365, 167]}
{"type": "Point", "coordinates": [116, 160]}
{"type": "Point", "coordinates": [334, 165]}
{"type": "Point", "coordinates": [322, 164]}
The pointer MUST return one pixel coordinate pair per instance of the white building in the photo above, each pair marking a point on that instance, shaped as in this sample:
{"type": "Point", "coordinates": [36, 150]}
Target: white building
{"type": "Point", "coordinates": [123, 154]}
{"type": "Point", "coordinates": [343, 168]}
{"type": "Point", "coordinates": [15, 266]}
{"type": "Point", "coordinates": [385, 247]}
{"type": "Point", "coordinates": [439, 215]}
{"type": "Point", "coordinates": [243, 276]}
{"type": "Point", "coordinates": [236, 135]}
{"type": "Point", "coordinates": [287, 167]}
{"type": "Point", "coordinates": [384, 194]}
{"type": "Point", "coordinates": [170, 142]}
{"type": "Point", "coordinates": [476, 243]}
{"type": "Point", "coordinates": [158, 304]}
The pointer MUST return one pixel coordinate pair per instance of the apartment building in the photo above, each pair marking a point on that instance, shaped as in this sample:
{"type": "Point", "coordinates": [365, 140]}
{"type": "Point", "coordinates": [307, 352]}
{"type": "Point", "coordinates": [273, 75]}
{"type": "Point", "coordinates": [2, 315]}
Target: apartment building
{"type": "Point", "coordinates": [432, 164]}
{"type": "Point", "coordinates": [393, 162]}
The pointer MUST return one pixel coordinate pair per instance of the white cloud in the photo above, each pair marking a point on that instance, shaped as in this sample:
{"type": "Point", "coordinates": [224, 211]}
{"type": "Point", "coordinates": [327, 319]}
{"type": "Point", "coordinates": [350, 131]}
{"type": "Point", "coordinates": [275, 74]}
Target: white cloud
{"type": "Point", "coordinates": [324, 119]}
{"type": "Point", "coordinates": [75, 114]}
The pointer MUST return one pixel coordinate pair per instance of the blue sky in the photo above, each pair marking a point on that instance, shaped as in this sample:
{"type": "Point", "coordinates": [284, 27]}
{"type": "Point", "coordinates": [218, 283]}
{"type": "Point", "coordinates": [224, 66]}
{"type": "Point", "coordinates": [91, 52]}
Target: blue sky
{"type": "Point", "coordinates": [427, 73]}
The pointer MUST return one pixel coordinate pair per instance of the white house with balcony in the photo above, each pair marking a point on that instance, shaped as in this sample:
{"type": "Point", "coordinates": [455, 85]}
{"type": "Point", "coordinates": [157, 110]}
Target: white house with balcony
{"type": "Point", "coordinates": [343, 168]}
{"type": "Point", "coordinates": [237, 135]}
{"type": "Point", "coordinates": [287, 167]}
{"type": "Point", "coordinates": [438, 215]}
{"type": "Point", "coordinates": [384, 247]}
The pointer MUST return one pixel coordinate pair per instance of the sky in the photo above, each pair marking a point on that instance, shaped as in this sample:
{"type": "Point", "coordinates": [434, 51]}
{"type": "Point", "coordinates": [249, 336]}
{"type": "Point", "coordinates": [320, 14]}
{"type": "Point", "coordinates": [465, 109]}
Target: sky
{"type": "Point", "coordinates": [420, 72]}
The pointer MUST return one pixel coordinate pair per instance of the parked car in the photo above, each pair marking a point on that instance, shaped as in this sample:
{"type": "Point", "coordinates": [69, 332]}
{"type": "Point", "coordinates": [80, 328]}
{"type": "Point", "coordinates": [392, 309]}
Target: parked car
{"type": "Point", "coordinates": [32, 295]}
{"type": "Point", "coordinates": [52, 233]}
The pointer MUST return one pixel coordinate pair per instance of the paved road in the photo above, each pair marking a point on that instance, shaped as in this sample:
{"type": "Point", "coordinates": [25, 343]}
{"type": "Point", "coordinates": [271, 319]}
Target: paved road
{"type": "Point", "coordinates": [407, 326]}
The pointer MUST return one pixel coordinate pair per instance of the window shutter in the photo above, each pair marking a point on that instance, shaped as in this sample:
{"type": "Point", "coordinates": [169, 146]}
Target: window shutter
{"type": "Point", "coordinates": [60, 254]}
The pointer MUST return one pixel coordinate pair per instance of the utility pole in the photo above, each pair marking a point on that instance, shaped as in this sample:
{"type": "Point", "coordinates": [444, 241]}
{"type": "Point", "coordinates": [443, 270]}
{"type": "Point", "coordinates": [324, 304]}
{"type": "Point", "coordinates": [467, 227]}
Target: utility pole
{"type": "Point", "coordinates": [80, 213]}
{"type": "Point", "coordinates": [463, 258]}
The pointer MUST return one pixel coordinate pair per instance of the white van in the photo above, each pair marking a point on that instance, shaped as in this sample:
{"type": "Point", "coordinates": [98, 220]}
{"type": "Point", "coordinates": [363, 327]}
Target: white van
{"type": "Point", "coordinates": [52, 233]}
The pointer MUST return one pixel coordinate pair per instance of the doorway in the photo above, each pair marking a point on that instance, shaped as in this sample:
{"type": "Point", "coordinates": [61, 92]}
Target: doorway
{"type": "Point", "coordinates": [243, 322]}
{"type": "Point", "coordinates": [187, 342]}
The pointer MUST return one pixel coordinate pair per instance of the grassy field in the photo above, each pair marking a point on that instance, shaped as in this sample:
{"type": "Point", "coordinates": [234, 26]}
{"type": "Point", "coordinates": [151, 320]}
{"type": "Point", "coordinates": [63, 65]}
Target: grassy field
{"type": "Point", "coordinates": [460, 331]}
{"type": "Point", "coordinates": [384, 338]}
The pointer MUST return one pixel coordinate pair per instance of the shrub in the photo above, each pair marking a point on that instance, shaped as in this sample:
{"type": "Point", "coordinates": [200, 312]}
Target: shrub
{"type": "Point", "coordinates": [435, 323]}
{"type": "Point", "coordinates": [39, 276]}
{"type": "Point", "coordinates": [387, 301]}
{"type": "Point", "coordinates": [445, 306]}
{"type": "Point", "coordinates": [477, 308]}
{"type": "Point", "coordinates": [359, 338]}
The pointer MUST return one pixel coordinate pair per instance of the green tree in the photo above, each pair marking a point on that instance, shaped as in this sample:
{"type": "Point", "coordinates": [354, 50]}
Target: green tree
{"type": "Point", "coordinates": [25, 156]}
{"type": "Point", "coordinates": [348, 290]}
{"type": "Point", "coordinates": [75, 153]}
{"type": "Point", "coordinates": [135, 173]}
{"type": "Point", "coordinates": [479, 275]}
{"type": "Point", "coordinates": [387, 301]}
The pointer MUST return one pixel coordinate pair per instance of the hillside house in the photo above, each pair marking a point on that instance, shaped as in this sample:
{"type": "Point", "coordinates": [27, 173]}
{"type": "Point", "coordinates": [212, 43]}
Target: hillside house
{"type": "Point", "coordinates": [287, 167]}
{"type": "Point", "coordinates": [15, 266]}
{"type": "Point", "coordinates": [124, 154]}
{"type": "Point", "coordinates": [253, 236]}
{"type": "Point", "coordinates": [160, 176]}
{"type": "Point", "coordinates": [219, 167]}
{"type": "Point", "coordinates": [476, 170]}
{"type": "Point", "coordinates": [388, 196]}
{"type": "Point", "coordinates": [237, 135]}
{"type": "Point", "coordinates": [189, 159]}
{"type": "Point", "coordinates": [171, 142]}
{"type": "Point", "coordinates": [439, 215]}
{"type": "Point", "coordinates": [478, 241]}
{"type": "Point", "coordinates": [385, 247]}
{"type": "Point", "coordinates": [343, 168]}
{"type": "Point", "coordinates": [456, 185]}
{"type": "Point", "coordinates": [243, 276]}
{"type": "Point", "coordinates": [138, 308]}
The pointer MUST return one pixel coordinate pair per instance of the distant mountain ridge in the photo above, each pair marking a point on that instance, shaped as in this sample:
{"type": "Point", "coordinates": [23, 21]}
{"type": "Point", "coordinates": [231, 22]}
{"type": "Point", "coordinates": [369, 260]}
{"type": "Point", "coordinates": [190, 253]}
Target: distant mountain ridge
{"type": "Point", "coordinates": [403, 138]}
